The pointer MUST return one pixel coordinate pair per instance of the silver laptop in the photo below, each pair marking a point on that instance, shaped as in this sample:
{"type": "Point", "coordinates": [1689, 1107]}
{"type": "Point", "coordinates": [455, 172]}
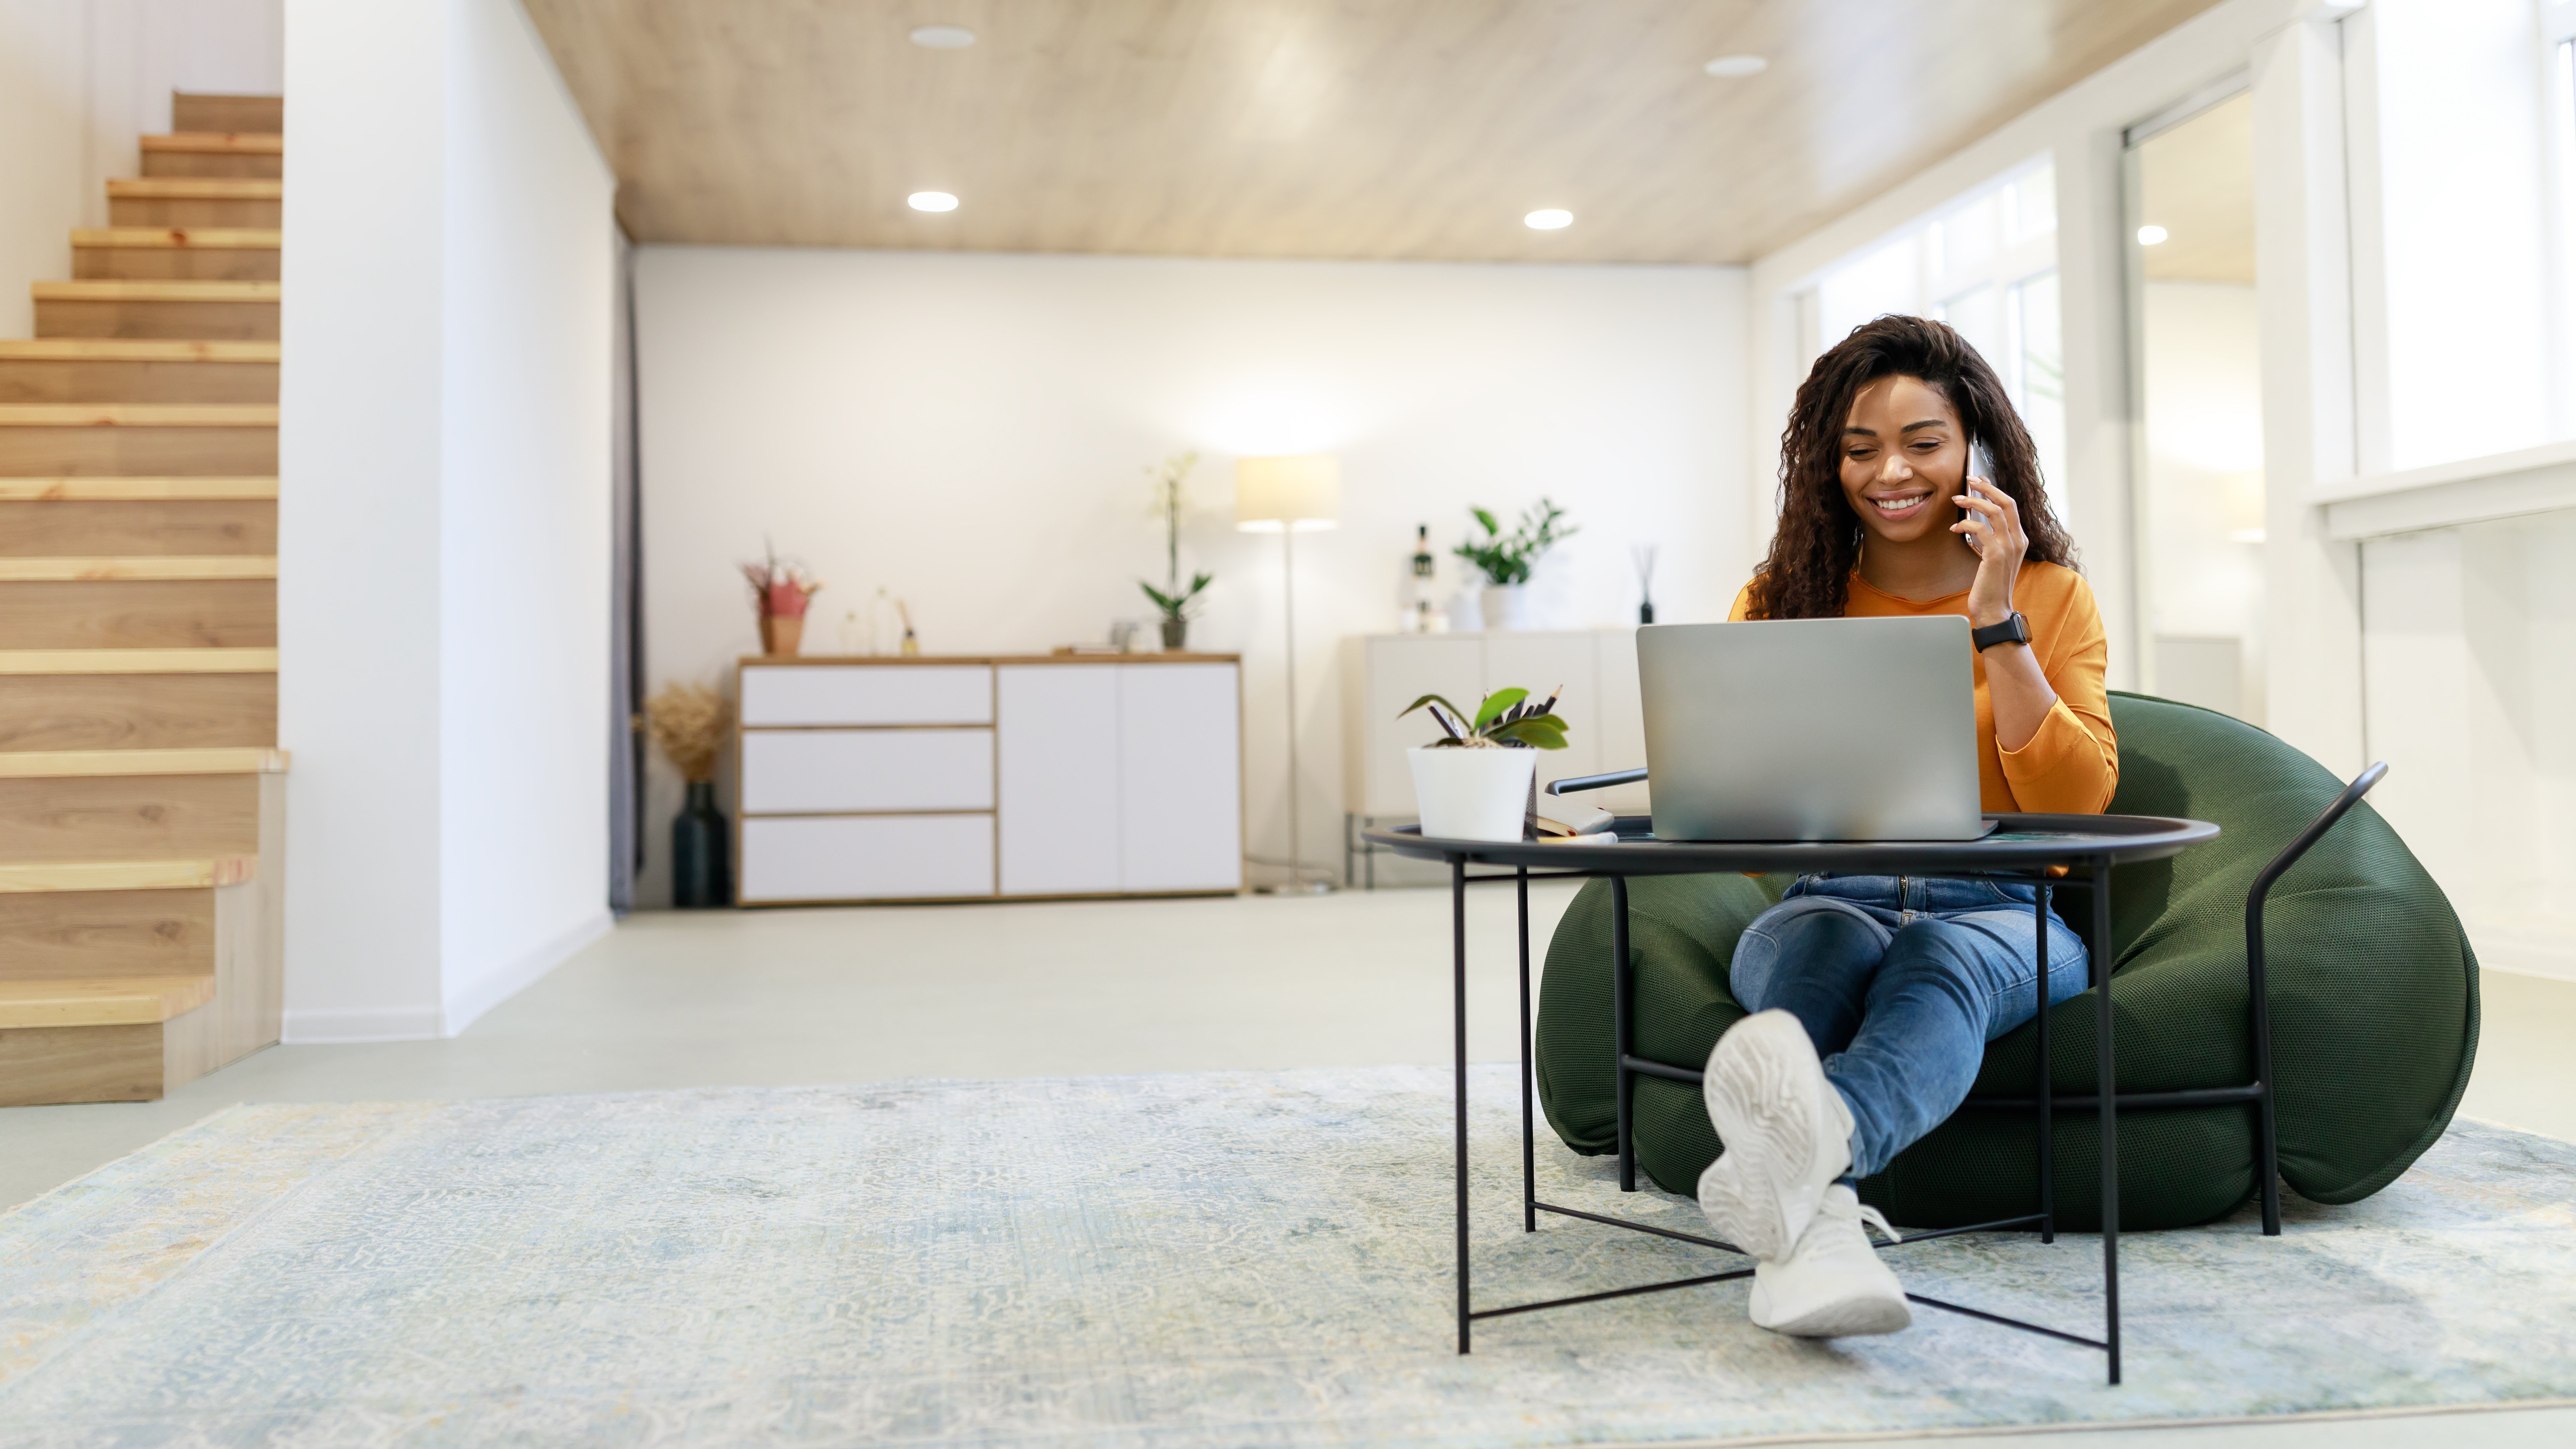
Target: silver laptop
{"type": "Point", "coordinates": [1811, 729]}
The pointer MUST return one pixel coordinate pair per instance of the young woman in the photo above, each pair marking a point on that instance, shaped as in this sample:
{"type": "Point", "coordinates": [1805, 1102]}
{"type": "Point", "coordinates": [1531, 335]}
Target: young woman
{"type": "Point", "coordinates": [1873, 997]}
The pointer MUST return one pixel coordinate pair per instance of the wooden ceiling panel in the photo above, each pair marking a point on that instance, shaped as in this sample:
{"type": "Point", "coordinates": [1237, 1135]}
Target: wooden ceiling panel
{"type": "Point", "coordinates": [1302, 128]}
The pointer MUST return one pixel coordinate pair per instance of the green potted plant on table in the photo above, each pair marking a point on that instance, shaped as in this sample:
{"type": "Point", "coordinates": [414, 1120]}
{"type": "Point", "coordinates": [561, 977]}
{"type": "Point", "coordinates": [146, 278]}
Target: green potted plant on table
{"type": "Point", "coordinates": [1508, 559]}
{"type": "Point", "coordinates": [1172, 599]}
{"type": "Point", "coordinates": [1479, 781]}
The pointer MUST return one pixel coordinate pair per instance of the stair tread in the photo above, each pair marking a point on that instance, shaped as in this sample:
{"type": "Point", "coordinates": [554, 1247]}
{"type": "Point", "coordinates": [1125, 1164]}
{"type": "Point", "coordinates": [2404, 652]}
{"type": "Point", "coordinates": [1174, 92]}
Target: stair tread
{"type": "Point", "coordinates": [63, 569]}
{"type": "Point", "coordinates": [109, 489]}
{"type": "Point", "coordinates": [154, 291]}
{"type": "Point", "coordinates": [198, 188]}
{"type": "Point", "coordinates": [28, 877]}
{"type": "Point", "coordinates": [204, 659]}
{"type": "Point", "coordinates": [212, 238]}
{"type": "Point", "coordinates": [102, 1000]}
{"type": "Point", "coordinates": [221, 143]}
{"type": "Point", "coordinates": [132, 349]}
{"type": "Point", "coordinates": [138, 415]}
{"type": "Point", "coordinates": [68, 764]}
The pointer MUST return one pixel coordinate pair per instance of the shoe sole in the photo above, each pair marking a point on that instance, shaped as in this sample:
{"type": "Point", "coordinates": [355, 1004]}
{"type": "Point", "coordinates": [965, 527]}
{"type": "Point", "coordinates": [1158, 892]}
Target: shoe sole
{"type": "Point", "coordinates": [1788, 1157]}
{"type": "Point", "coordinates": [1850, 1318]}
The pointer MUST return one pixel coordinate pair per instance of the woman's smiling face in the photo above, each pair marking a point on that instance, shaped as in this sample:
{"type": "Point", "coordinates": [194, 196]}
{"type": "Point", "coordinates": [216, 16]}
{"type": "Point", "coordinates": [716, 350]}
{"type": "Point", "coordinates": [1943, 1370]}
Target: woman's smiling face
{"type": "Point", "coordinates": [1904, 458]}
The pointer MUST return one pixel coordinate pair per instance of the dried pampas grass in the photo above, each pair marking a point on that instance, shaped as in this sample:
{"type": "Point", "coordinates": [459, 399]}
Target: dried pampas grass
{"type": "Point", "coordinates": [689, 722]}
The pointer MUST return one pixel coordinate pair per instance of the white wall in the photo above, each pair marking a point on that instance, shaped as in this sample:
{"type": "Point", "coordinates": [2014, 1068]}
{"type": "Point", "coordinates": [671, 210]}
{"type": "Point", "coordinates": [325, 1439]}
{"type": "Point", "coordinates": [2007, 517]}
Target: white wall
{"type": "Point", "coordinates": [80, 81]}
{"type": "Point", "coordinates": [969, 431]}
{"type": "Point", "coordinates": [357, 518]}
{"type": "Point", "coordinates": [2471, 694]}
{"type": "Point", "coordinates": [531, 273]}
{"type": "Point", "coordinates": [442, 593]}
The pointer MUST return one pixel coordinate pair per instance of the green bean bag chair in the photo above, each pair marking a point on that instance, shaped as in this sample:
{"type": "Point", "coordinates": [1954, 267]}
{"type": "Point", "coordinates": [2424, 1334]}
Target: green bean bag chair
{"type": "Point", "coordinates": [2374, 997]}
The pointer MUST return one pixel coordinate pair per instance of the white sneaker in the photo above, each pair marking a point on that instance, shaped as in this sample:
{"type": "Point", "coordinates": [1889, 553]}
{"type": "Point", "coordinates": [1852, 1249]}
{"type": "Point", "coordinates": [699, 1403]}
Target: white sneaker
{"type": "Point", "coordinates": [1786, 1132]}
{"type": "Point", "coordinates": [1834, 1284]}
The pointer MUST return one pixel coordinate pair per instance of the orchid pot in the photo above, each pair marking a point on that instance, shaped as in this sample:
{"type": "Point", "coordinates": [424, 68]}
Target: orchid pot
{"type": "Point", "coordinates": [1473, 794]}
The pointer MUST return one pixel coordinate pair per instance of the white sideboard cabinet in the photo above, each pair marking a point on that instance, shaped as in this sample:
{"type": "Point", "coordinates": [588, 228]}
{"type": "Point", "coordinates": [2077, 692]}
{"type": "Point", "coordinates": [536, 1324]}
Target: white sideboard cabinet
{"type": "Point", "coordinates": [1382, 673]}
{"type": "Point", "coordinates": [907, 779]}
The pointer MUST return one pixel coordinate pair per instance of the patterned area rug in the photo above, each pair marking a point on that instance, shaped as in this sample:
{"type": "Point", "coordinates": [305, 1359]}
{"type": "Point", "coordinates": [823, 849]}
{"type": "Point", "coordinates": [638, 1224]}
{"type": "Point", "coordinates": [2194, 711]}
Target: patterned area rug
{"type": "Point", "coordinates": [1165, 1261]}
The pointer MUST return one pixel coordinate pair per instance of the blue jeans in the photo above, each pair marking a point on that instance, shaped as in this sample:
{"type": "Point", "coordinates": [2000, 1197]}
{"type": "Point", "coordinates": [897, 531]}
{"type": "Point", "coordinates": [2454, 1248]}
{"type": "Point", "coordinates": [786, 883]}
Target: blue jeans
{"type": "Point", "coordinates": [1901, 981]}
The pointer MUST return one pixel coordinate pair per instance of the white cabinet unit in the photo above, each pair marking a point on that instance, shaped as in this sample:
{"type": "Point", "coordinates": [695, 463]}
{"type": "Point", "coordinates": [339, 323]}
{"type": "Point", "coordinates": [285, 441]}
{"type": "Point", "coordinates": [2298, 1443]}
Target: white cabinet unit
{"type": "Point", "coordinates": [887, 694]}
{"type": "Point", "coordinates": [1382, 673]}
{"type": "Point", "coordinates": [1180, 778]}
{"type": "Point", "coordinates": [1059, 779]}
{"type": "Point", "coordinates": [809, 858]}
{"type": "Point", "coordinates": [820, 771]}
{"type": "Point", "coordinates": [908, 779]}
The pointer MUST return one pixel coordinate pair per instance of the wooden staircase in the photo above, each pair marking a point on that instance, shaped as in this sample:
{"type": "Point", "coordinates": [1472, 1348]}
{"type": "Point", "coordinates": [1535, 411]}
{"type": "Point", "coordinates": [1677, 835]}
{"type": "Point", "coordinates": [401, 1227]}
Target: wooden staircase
{"type": "Point", "coordinates": [142, 794]}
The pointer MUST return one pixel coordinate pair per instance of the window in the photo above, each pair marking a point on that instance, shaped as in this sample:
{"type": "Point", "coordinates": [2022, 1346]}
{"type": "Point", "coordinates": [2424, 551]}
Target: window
{"type": "Point", "coordinates": [1987, 265]}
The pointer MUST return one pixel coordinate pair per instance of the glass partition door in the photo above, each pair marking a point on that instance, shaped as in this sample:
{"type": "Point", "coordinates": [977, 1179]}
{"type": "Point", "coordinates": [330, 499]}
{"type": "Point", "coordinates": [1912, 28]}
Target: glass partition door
{"type": "Point", "coordinates": [2196, 384]}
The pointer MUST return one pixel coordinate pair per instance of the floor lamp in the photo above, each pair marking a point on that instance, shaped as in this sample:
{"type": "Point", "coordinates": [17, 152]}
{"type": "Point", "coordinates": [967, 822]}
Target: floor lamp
{"type": "Point", "coordinates": [1289, 496]}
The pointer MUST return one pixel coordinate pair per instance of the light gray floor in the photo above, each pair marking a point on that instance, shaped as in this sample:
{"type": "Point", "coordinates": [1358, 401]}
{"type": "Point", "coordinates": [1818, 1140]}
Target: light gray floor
{"type": "Point", "coordinates": [788, 997]}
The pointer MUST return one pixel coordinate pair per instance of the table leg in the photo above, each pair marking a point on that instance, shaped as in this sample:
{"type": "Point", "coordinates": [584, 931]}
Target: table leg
{"type": "Point", "coordinates": [2047, 1071]}
{"type": "Point", "coordinates": [1458, 998]}
{"type": "Point", "coordinates": [2110, 1099]}
{"type": "Point", "coordinates": [1619, 1027]}
{"type": "Point", "coordinates": [1529, 1123]}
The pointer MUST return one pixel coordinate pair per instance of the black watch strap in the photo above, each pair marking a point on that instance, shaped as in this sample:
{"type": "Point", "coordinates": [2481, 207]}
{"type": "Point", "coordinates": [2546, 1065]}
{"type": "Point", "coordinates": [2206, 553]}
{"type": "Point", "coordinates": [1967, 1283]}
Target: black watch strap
{"type": "Point", "coordinates": [2015, 630]}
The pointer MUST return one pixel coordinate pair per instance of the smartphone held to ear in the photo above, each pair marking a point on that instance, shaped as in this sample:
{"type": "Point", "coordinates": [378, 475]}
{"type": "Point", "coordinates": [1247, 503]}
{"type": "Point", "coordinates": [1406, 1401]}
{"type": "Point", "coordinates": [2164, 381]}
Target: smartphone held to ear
{"type": "Point", "coordinates": [1981, 464]}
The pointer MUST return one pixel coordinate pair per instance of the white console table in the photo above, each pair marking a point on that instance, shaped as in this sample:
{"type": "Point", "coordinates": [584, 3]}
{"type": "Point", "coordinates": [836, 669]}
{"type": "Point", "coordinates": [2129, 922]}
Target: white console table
{"type": "Point", "coordinates": [1382, 673]}
{"type": "Point", "coordinates": [944, 778]}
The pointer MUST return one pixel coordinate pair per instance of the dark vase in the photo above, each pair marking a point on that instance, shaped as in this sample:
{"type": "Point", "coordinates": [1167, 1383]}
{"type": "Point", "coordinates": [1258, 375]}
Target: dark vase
{"type": "Point", "coordinates": [1646, 612]}
{"type": "Point", "coordinates": [1176, 634]}
{"type": "Point", "coordinates": [700, 876]}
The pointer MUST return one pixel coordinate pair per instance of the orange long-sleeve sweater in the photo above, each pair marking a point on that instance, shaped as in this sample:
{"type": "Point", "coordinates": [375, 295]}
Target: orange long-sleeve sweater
{"type": "Point", "coordinates": [2073, 764]}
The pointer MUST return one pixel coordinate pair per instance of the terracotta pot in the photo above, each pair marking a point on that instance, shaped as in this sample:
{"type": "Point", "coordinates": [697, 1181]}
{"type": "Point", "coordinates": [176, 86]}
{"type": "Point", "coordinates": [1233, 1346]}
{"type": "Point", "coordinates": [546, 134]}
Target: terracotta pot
{"type": "Point", "coordinates": [780, 634]}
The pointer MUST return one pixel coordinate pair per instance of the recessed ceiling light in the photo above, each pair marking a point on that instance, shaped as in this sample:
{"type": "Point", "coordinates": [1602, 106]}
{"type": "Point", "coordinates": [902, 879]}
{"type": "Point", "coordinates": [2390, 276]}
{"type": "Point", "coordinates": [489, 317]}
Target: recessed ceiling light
{"type": "Point", "coordinates": [943, 37]}
{"type": "Point", "coordinates": [932, 201]}
{"type": "Point", "coordinates": [1551, 219]}
{"type": "Point", "coordinates": [2150, 235]}
{"type": "Point", "coordinates": [1736, 67]}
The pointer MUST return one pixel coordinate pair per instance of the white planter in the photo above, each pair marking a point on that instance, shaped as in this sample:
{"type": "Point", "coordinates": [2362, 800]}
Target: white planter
{"type": "Point", "coordinates": [1507, 606]}
{"type": "Point", "coordinates": [1467, 794]}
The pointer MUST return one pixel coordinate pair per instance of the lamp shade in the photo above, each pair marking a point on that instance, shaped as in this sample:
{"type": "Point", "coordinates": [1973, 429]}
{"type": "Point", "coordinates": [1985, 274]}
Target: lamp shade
{"type": "Point", "coordinates": [1275, 493]}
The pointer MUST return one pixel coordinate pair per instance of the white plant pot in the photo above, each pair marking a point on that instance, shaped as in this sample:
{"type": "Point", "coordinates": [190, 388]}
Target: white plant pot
{"type": "Point", "coordinates": [1470, 794]}
{"type": "Point", "coordinates": [1507, 606]}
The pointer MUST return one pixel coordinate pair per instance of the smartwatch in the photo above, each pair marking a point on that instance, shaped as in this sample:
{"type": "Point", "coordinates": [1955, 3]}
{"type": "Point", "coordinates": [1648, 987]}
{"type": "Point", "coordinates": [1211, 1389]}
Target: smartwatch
{"type": "Point", "coordinates": [2015, 630]}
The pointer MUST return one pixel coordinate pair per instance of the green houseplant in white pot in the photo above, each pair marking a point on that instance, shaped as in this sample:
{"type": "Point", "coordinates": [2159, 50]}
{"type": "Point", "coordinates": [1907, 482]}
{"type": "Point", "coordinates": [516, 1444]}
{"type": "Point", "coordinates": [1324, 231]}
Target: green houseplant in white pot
{"type": "Point", "coordinates": [1508, 559]}
{"type": "Point", "coordinates": [1478, 782]}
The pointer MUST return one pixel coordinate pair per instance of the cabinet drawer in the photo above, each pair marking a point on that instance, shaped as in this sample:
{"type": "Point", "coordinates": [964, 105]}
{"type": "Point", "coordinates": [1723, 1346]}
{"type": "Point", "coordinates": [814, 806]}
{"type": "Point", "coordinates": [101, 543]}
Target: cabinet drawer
{"type": "Point", "coordinates": [865, 857]}
{"type": "Point", "coordinates": [788, 772]}
{"type": "Point", "coordinates": [867, 694]}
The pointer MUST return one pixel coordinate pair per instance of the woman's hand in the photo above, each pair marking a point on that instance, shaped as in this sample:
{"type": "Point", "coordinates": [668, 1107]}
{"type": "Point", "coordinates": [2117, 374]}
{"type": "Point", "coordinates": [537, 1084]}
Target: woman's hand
{"type": "Point", "coordinates": [1991, 522]}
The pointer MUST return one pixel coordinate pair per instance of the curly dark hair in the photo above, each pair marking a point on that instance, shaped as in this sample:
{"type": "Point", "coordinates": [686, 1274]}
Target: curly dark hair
{"type": "Point", "coordinates": [1807, 574]}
